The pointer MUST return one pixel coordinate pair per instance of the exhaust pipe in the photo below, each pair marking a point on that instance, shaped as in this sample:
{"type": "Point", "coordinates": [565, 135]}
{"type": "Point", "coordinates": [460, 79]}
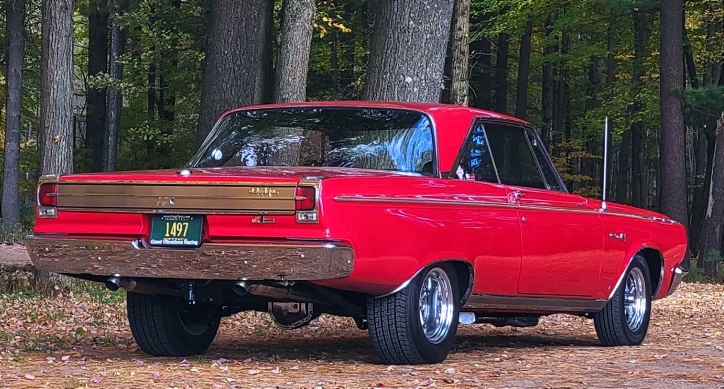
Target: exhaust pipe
{"type": "Point", "coordinates": [113, 283]}
{"type": "Point", "coordinates": [241, 288]}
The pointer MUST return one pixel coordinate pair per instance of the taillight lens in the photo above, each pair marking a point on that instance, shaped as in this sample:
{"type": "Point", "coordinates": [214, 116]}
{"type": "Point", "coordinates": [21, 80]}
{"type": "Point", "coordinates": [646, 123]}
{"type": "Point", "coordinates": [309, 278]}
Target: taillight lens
{"type": "Point", "coordinates": [48, 195]}
{"type": "Point", "coordinates": [304, 199]}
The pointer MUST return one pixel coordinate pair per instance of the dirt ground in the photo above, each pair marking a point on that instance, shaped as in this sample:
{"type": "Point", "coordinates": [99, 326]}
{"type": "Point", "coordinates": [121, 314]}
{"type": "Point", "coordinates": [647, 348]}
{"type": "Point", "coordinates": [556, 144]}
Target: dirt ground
{"type": "Point", "coordinates": [82, 340]}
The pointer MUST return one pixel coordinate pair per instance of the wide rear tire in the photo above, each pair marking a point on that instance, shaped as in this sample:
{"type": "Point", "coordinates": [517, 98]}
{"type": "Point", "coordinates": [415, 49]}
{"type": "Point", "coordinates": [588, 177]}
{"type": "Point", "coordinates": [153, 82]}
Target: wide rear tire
{"type": "Point", "coordinates": [162, 328]}
{"type": "Point", "coordinates": [624, 321]}
{"type": "Point", "coordinates": [417, 324]}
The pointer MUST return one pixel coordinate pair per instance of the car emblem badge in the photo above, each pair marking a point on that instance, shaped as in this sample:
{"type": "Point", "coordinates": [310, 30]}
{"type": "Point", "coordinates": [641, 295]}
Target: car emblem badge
{"type": "Point", "coordinates": [264, 191]}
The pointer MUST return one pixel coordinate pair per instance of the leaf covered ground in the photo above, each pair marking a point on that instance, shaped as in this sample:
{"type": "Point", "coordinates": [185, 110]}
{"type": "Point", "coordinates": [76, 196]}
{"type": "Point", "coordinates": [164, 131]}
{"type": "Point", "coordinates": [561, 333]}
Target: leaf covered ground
{"type": "Point", "coordinates": [82, 339]}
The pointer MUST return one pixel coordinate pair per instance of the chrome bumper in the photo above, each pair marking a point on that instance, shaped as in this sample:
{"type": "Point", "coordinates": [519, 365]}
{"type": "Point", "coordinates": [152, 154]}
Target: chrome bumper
{"type": "Point", "coordinates": [293, 260]}
{"type": "Point", "coordinates": [679, 273]}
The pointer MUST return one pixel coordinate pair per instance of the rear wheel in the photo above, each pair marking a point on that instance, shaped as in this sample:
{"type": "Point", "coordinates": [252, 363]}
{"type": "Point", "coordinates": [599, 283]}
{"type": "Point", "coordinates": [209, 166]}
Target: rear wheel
{"type": "Point", "coordinates": [417, 324]}
{"type": "Point", "coordinates": [161, 328]}
{"type": "Point", "coordinates": [624, 321]}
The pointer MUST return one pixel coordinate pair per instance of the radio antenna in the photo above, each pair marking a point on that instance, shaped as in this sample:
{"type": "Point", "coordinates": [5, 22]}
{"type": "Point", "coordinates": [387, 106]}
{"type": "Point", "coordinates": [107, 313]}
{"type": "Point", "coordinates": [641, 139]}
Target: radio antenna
{"type": "Point", "coordinates": [605, 165]}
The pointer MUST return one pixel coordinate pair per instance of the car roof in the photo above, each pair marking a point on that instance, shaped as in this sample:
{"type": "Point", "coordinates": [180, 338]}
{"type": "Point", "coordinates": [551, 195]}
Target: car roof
{"type": "Point", "coordinates": [452, 122]}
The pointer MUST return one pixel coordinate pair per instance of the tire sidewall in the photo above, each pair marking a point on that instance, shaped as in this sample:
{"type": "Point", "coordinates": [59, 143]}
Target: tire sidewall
{"type": "Point", "coordinates": [636, 337]}
{"type": "Point", "coordinates": [433, 352]}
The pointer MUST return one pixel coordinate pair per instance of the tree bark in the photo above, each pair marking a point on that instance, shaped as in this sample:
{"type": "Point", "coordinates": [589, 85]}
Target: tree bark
{"type": "Point", "coordinates": [56, 100]}
{"type": "Point", "coordinates": [115, 99]}
{"type": "Point", "coordinates": [547, 85]}
{"type": "Point", "coordinates": [521, 101]}
{"type": "Point", "coordinates": [710, 241]}
{"type": "Point", "coordinates": [235, 55]}
{"type": "Point", "coordinates": [460, 51]}
{"type": "Point", "coordinates": [673, 132]}
{"type": "Point", "coordinates": [290, 83]}
{"type": "Point", "coordinates": [643, 25]}
{"type": "Point", "coordinates": [501, 74]}
{"type": "Point", "coordinates": [265, 72]}
{"type": "Point", "coordinates": [14, 24]}
{"type": "Point", "coordinates": [407, 50]}
{"type": "Point", "coordinates": [484, 96]}
{"type": "Point", "coordinates": [97, 64]}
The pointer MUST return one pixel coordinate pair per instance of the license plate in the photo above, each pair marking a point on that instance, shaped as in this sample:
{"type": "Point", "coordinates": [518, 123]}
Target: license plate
{"type": "Point", "coordinates": [176, 230]}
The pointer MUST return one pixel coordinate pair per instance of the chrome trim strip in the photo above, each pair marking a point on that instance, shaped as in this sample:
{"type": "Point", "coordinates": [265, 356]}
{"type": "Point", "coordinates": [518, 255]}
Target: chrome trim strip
{"type": "Point", "coordinates": [255, 260]}
{"type": "Point", "coordinates": [539, 304]}
{"type": "Point", "coordinates": [463, 297]}
{"type": "Point", "coordinates": [422, 201]}
{"type": "Point", "coordinates": [679, 274]}
{"type": "Point", "coordinates": [623, 274]}
{"type": "Point", "coordinates": [417, 200]}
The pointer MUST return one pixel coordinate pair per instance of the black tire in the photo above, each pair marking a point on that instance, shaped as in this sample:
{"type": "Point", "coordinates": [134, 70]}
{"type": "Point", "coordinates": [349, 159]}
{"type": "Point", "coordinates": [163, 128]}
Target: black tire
{"type": "Point", "coordinates": [395, 323]}
{"type": "Point", "coordinates": [164, 329]}
{"type": "Point", "coordinates": [612, 326]}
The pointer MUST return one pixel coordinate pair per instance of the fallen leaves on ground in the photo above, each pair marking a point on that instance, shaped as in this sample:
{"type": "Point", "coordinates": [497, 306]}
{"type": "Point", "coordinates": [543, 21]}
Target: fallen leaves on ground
{"type": "Point", "coordinates": [83, 340]}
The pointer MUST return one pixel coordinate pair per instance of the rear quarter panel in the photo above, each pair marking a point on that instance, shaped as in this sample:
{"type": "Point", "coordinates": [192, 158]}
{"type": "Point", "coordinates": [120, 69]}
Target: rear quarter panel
{"type": "Point", "coordinates": [669, 238]}
{"type": "Point", "coordinates": [394, 239]}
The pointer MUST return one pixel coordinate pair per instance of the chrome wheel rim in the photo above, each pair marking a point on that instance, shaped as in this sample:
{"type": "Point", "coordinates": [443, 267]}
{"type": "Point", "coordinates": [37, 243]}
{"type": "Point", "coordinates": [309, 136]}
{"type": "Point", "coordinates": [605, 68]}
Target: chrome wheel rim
{"type": "Point", "coordinates": [436, 305]}
{"type": "Point", "coordinates": [634, 303]}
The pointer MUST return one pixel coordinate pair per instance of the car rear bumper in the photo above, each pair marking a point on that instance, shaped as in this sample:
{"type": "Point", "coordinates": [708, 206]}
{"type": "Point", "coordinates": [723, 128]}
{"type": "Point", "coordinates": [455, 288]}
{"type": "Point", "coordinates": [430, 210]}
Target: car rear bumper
{"type": "Point", "coordinates": [679, 273]}
{"type": "Point", "coordinates": [258, 260]}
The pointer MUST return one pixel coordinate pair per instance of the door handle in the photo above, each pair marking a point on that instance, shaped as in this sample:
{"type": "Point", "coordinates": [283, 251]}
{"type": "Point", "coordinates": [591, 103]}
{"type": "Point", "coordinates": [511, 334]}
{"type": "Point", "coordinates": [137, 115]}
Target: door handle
{"type": "Point", "coordinates": [515, 196]}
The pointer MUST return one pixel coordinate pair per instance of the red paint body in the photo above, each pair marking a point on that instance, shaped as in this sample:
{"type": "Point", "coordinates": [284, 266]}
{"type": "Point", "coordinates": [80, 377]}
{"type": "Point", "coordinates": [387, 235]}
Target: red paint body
{"type": "Point", "coordinates": [549, 244]}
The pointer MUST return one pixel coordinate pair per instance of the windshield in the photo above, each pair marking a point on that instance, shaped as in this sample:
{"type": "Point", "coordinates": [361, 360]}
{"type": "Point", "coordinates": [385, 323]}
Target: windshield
{"type": "Point", "coordinates": [364, 138]}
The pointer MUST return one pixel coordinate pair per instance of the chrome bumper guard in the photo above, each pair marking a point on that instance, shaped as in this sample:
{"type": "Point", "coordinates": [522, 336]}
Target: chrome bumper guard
{"type": "Point", "coordinates": [292, 260]}
{"type": "Point", "coordinates": [679, 273]}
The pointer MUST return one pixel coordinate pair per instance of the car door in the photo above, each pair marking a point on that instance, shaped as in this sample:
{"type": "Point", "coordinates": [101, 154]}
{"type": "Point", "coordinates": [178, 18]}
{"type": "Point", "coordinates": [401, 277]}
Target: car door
{"type": "Point", "coordinates": [489, 223]}
{"type": "Point", "coordinates": [561, 236]}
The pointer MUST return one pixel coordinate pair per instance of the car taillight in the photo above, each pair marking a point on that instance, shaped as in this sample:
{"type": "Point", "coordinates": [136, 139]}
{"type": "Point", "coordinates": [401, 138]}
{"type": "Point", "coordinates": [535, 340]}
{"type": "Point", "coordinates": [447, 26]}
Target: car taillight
{"type": "Point", "coordinates": [48, 201]}
{"type": "Point", "coordinates": [48, 195]}
{"type": "Point", "coordinates": [305, 204]}
{"type": "Point", "coordinates": [304, 199]}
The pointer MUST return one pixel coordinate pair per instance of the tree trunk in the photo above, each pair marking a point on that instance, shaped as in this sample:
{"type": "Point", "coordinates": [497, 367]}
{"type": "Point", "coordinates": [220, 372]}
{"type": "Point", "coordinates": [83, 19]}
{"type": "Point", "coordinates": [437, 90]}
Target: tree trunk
{"type": "Point", "coordinates": [501, 74]}
{"type": "Point", "coordinates": [521, 101]}
{"type": "Point", "coordinates": [710, 241]}
{"type": "Point", "coordinates": [265, 73]}
{"type": "Point", "coordinates": [704, 164]}
{"type": "Point", "coordinates": [56, 99]}
{"type": "Point", "coordinates": [623, 176]}
{"type": "Point", "coordinates": [547, 85]}
{"type": "Point", "coordinates": [290, 83]}
{"type": "Point", "coordinates": [484, 96]}
{"type": "Point", "coordinates": [643, 21]}
{"type": "Point", "coordinates": [673, 132]}
{"type": "Point", "coordinates": [235, 55]}
{"type": "Point", "coordinates": [460, 50]}
{"type": "Point", "coordinates": [407, 50]}
{"type": "Point", "coordinates": [14, 23]}
{"type": "Point", "coordinates": [97, 64]}
{"type": "Point", "coordinates": [115, 99]}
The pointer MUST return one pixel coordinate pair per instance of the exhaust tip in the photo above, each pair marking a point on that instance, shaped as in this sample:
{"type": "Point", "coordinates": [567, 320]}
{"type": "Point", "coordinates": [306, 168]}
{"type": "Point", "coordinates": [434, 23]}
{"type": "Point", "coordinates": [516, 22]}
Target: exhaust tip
{"type": "Point", "coordinates": [113, 283]}
{"type": "Point", "coordinates": [241, 288]}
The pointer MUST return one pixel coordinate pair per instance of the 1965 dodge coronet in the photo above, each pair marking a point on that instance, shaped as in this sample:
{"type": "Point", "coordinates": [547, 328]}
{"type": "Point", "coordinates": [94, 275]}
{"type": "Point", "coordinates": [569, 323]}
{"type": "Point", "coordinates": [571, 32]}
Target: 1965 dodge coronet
{"type": "Point", "coordinates": [409, 218]}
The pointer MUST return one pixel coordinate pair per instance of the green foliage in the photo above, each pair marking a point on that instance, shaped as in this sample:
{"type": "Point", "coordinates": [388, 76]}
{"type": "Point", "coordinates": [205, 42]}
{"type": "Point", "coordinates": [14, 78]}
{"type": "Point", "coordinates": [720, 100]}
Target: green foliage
{"type": "Point", "coordinates": [703, 107]}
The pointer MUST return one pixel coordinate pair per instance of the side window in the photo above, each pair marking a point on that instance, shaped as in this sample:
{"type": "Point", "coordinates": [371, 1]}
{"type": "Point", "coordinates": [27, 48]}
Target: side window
{"type": "Point", "coordinates": [549, 173]}
{"type": "Point", "coordinates": [514, 160]}
{"type": "Point", "coordinates": [476, 160]}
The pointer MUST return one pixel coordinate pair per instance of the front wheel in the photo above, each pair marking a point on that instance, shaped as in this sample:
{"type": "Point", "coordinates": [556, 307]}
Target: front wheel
{"type": "Point", "coordinates": [417, 324]}
{"type": "Point", "coordinates": [162, 328]}
{"type": "Point", "coordinates": [624, 320]}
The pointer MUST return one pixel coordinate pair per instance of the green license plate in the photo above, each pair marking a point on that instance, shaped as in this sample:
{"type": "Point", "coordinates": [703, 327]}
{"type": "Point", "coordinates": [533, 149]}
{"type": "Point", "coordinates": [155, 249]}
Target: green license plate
{"type": "Point", "coordinates": [176, 230]}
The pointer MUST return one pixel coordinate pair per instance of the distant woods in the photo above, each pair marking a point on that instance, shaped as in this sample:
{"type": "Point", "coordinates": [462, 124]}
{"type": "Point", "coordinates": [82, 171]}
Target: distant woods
{"type": "Point", "coordinates": [133, 84]}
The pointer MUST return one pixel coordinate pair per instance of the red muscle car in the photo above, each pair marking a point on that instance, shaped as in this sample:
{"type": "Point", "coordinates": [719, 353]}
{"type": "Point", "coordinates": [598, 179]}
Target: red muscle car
{"type": "Point", "coordinates": [408, 218]}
